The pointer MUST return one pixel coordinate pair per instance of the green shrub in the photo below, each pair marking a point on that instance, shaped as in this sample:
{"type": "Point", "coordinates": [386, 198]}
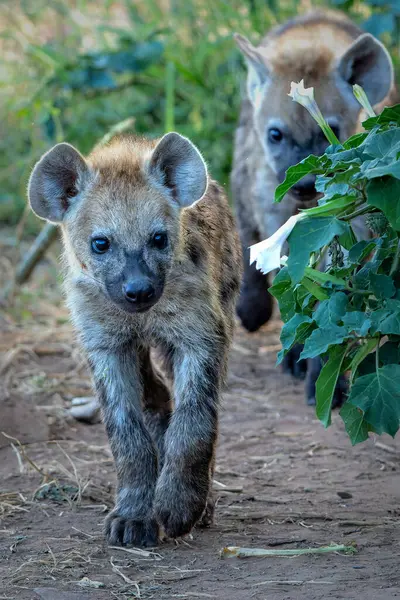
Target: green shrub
{"type": "Point", "coordinates": [349, 313]}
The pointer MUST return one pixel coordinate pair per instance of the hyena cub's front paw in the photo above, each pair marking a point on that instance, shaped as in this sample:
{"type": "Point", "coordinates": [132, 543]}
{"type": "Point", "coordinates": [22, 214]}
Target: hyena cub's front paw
{"type": "Point", "coordinates": [122, 528]}
{"type": "Point", "coordinates": [179, 504]}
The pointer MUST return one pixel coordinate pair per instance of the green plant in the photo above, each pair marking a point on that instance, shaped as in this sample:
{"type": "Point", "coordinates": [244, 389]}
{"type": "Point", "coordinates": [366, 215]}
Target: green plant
{"type": "Point", "coordinates": [349, 311]}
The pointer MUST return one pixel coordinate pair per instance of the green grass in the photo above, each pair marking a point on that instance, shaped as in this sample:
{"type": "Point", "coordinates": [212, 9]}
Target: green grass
{"type": "Point", "coordinates": [169, 68]}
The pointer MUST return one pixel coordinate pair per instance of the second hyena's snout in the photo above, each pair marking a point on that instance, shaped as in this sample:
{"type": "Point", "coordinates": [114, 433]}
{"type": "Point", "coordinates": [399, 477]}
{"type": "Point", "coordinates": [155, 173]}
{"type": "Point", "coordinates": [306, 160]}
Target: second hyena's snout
{"type": "Point", "coordinates": [140, 292]}
{"type": "Point", "coordinates": [305, 188]}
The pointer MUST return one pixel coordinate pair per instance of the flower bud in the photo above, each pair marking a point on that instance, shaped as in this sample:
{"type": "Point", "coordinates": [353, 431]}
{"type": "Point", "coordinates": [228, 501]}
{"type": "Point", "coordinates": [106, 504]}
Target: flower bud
{"type": "Point", "coordinates": [305, 97]}
{"type": "Point", "coordinates": [363, 100]}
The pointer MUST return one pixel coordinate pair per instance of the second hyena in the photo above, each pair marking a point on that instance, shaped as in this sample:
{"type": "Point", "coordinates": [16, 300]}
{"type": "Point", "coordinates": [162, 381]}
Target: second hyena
{"type": "Point", "coordinates": [152, 259]}
{"type": "Point", "coordinates": [331, 54]}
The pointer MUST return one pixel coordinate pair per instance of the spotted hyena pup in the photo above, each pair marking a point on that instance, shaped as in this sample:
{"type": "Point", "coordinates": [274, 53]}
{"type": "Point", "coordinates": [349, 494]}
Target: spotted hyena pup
{"type": "Point", "coordinates": [152, 259]}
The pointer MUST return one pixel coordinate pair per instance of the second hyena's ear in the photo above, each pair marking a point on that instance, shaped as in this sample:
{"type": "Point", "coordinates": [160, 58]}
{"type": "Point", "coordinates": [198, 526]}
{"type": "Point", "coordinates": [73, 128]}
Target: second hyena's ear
{"type": "Point", "coordinates": [56, 181]}
{"type": "Point", "coordinates": [258, 72]}
{"type": "Point", "coordinates": [368, 63]}
{"type": "Point", "coordinates": [178, 165]}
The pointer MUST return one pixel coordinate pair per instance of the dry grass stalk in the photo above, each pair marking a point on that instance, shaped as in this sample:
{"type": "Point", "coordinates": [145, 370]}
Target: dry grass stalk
{"type": "Point", "coordinates": [24, 455]}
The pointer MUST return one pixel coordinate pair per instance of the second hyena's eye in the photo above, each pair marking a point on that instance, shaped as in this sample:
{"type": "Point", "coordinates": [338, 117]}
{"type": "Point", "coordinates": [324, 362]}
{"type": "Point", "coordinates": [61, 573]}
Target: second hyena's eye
{"type": "Point", "coordinates": [275, 135]}
{"type": "Point", "coordinates": [336, 130]}
{"type": "Point", "coordinates": [160, 240]}
{"type": "Point", "coordinates": [100, 245]}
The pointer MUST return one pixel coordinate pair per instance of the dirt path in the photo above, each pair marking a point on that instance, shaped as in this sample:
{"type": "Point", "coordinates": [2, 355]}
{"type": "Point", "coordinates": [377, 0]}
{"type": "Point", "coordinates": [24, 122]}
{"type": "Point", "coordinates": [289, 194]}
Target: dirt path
{"type": "Point", "coordinates": [282, 482]}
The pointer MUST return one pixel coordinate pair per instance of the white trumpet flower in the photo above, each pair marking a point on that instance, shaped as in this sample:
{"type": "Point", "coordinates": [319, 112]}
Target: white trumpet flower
{"type": "Point", "coordinates": [267, 254]}
{"type": "Point", "coordinates": [305, 97]}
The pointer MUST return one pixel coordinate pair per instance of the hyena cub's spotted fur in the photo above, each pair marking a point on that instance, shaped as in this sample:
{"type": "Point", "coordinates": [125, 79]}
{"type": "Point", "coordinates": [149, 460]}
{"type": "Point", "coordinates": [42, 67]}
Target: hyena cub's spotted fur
{"type": "Point", "coordinates": [152, 259]}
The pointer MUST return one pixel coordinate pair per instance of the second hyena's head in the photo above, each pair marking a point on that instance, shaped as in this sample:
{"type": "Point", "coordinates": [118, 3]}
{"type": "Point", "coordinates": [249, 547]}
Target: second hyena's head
{"type": "Point", "coordinates": [119, 211]}
{"type": "Point", "coordinates": [331, 62]}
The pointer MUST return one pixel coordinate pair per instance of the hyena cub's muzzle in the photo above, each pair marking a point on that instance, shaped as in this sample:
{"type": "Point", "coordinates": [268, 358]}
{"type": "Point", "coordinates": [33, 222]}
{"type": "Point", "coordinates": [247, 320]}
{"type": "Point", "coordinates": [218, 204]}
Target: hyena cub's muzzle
{"type": "Point", "coordinates": [137, 288]}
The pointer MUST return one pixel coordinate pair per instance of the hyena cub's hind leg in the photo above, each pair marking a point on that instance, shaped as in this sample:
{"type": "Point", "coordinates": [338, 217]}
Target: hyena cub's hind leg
{"type": "Point", "coordinates": [157, 403]}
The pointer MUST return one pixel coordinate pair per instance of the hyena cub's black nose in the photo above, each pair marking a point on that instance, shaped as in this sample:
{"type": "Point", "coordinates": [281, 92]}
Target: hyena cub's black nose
{"type": "Point", "coordinates": [139, 291]}
{"type": "Point", "coordinates": [305, 188]}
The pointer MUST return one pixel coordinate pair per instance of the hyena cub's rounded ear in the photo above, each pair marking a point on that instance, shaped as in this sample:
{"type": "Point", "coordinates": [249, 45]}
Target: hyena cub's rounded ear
{"type": "Point", "coordinates": [178, 165]}
{"type": "Point", "coordinates": [55, 181]}
{"type": "Point", "coordinates": [258, 72]}
{"type": "Point", "coordinates": [368, 63]}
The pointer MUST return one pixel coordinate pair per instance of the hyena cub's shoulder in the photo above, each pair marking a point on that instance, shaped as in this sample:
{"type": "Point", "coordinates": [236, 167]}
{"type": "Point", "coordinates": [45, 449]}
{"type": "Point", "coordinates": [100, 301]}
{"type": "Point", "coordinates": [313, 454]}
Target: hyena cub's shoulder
{"type": "Point", "coordinates": [211, 235]}
{"type": "Point", "coordinates": [152, 258]}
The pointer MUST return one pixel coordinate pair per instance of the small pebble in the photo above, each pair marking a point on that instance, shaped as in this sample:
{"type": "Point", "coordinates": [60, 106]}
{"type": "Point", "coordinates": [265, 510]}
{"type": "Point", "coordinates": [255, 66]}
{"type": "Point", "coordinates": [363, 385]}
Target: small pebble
{"type": "Point", "coordinates": [344, 495]}
{"type": "Point", "coordinates": [86, 410]}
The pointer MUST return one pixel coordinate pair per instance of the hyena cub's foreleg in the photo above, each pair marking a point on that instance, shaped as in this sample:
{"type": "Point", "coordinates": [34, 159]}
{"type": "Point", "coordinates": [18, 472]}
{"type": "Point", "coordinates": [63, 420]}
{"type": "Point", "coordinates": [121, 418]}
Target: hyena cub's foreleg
{"type": "Point", "coordinates": [119, 387]}
{"type": "Point", "coordinates": [184, 485]}
{"type": "Point", "coordinates": [157, 403]}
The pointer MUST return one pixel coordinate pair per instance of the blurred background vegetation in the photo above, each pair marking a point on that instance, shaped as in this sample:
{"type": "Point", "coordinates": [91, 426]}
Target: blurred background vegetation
{"type": "Point", "coordinates": [70, 70]}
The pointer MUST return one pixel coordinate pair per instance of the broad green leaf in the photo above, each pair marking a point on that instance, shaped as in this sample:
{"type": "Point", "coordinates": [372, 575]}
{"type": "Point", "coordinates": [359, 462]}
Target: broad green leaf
{"type": "Point", "coordinates": [358, 322]}
{"type": "Point", "coordinates": [388, 115]}
{"type": "Point", "coordinates": [326, 383]}
{"type": "Point", "coordinates": [372, 169]}
{"type": "Point", "coordinates": [311, 164]}
{"type": "Point", "coordinates": [334, 207]}
{"type": "Point", "coordinates": [382, 286]}
{"type": "Point", "coordinates": [331, 311]}
{"type": "Point", "coordinates": [383, 144]}
{"type": "Point", "coordinates": [282, 290]}
{"type": "Point", "coordinates": [302, 296]}
{"type": "Point", "coordinates": [378, 396]}
{"type": "Point", "coordinates": [330, 187]}
{"type": "Point", "coordinates": [315, 289]}
{"type": "Point", "coordinates": [384, 194]}
{"type": "Point", "coordinates": [353, 419]}
{"type": "Point", "coordinates": [386, 320]}
{"type": "Point", "coordinates": [308, 236]}
{"type": "Point", "coordinates": [342, 159]}
{"type": "Point", "coordinates": [354, 141]}
{"type": "Point", "coordinates": [291, 332]}
{"type": "Point", "coordinates": [322, 338]}
{"type": "Point", "coordinates": [362, 278]}
{"type": "Point", "coordinates": [389, 353]}
{"type": "Point", "coordinates": [348, 239]}
{"type": "Point", "coordinates": [322, 277]}
{"type": "Point", "coordinates": [363, 351]}
{"type": "Point", "coordinates": [361, 250]}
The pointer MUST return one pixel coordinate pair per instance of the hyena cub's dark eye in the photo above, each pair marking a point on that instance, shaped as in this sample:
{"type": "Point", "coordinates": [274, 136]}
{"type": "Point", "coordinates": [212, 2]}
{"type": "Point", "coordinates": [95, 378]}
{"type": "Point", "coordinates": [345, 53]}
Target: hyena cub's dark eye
{"type": "Point", "coordinates": [160, 240]}
{"type": "Point", "coordinates": [275, 135]}
{"type": "Point", "coordinates": [100, 245]}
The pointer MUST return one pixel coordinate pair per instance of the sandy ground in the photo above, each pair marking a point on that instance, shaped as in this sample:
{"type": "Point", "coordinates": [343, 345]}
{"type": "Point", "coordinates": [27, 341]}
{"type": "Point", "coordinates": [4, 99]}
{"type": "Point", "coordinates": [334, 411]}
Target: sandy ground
{"type": "Point", "coordinates": [282, 481]}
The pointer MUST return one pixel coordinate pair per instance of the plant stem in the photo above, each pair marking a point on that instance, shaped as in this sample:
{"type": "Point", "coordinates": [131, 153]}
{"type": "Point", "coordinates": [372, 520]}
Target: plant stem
{"type": "Point", "coordinates": [361, 211]}
{"type": "Point", "coordinates": [377, 354]}
{"type": "Point", "coordinates": [169, 97]}
{"type": "Point", "coordinates": [362, 292]}
{"type": "Point", "coordinates": [395, 263]}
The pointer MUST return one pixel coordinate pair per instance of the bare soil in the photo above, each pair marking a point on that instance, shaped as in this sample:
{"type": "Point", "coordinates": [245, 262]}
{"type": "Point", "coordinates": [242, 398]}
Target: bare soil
{"type": "Point", "coordinates": [282, 481]}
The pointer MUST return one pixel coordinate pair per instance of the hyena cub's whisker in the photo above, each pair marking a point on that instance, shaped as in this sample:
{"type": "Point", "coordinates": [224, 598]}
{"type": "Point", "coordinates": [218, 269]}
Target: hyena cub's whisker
{"type": "Point", "coordinates": [157, 236]}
